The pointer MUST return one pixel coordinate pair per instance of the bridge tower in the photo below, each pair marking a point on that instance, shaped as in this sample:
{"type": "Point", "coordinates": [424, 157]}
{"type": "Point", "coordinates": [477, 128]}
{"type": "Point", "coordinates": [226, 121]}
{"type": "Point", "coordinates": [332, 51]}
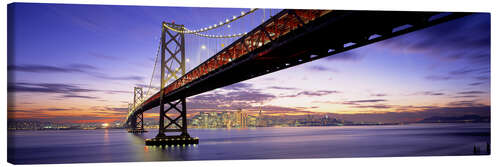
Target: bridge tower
{"type": "Point", "coordinates": [173, 66]}
{"type": "Point", "coordinates": [137, 123]}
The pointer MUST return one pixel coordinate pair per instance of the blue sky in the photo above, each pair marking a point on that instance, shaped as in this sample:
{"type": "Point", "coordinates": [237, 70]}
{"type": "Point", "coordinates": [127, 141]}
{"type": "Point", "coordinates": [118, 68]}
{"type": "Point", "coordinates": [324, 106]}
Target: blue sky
{"type": "Point", "coordinates": [81, 62]}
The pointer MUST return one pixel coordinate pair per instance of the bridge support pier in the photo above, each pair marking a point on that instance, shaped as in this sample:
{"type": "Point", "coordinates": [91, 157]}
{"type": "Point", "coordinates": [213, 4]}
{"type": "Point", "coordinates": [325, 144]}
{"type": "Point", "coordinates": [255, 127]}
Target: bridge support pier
{"type": "Point", "coordinates": [137, 124]}
{"type": "Point", "coordinates": [178, 106]}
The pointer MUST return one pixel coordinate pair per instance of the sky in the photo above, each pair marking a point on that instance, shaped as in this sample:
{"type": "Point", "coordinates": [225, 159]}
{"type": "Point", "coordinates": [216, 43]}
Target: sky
{"type": "Point", "coordinates": [80, 63]}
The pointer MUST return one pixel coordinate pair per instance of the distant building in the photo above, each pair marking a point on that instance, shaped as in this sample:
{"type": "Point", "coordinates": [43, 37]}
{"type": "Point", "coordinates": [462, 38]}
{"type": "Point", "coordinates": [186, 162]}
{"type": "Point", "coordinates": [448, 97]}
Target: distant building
{"type": "Point", "coordinates": [238, 119]}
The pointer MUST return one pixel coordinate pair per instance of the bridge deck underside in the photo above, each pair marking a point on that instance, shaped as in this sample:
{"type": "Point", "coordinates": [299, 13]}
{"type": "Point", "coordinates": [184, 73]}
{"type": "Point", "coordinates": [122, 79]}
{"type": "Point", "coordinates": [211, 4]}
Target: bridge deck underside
{"type": "Point", "coordinates": [322, 37]}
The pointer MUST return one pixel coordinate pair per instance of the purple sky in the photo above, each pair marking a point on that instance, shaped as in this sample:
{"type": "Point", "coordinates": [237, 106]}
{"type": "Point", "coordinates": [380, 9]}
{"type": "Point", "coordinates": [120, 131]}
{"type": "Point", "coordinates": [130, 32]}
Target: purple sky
{"type": "Point", "coordinates": [81, 62]}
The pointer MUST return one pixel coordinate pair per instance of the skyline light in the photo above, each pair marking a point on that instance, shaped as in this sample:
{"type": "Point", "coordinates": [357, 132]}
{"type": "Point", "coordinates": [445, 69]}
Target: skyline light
{"type": "Point", "coordinates": [82, 61]}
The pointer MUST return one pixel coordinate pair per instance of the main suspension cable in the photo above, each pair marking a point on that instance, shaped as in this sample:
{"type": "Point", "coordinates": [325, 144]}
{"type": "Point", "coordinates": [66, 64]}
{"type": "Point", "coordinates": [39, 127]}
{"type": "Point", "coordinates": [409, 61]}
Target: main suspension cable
{"type": "Point", "coordinates": [187, 31]}
{"type": "Point", "coordinates": [220, 36]}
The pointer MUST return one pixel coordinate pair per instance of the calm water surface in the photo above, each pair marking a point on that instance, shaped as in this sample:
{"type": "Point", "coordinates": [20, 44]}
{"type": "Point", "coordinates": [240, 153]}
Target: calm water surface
{"type": "Point", "coordinates": [116, 145]}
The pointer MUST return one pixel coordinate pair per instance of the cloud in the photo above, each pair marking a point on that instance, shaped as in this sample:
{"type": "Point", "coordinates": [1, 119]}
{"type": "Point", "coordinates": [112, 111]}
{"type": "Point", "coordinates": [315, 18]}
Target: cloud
{"type": "Point", "coordinates": [119, 110]}
{"type": "Point", "coordinates": [471, 92]}
{"type": "Point", "coordinates": [65, 90]}
{"type": "Point", "coordinates": [53, 88]}
{"type": "Point", "coordinates": [42, 113]}
{"type": "Point", "coordinates": [281, 88]}
{"type": "Point", "coordinates": [238, 86]}
{"type": "Point", "coordinates": [480, 74]}
{"type": "Point", "coordinates": [96, 114]}
{"type": "Point", "coordinates": [80, 96]}
{"type": "Point", "coordinates": [78, 20]}
{"type": "Point", "coordinates": [466, 96]}
{"type": "Point", "coordinates": [47, 69]}
{"type": "Point", "coordinates": [250, 96]}
{"type": "Point", "coordinates": [433, 93]}
{"type": "Point", "coordinates": [313, 93]}
{"type": "Point", "coordinates": [483, 73]}
{"type": "Point", "coordinates": [479, 110]}
{"type": "Point", "coordinates": [467, 38]}
{"type": "Point", "coordinates": [372, 103]}
{"type": "Point", "coordinates": [429, 93]}
{"type": "Point", "coordinates": [483, 78]}
{"type": "Point", "coordinates": [467, 70]}
{"type": "Point", "coordinates": [144, 86]}
{"type": "Point", "coordinates": [116, 91]}
{"type": "Point", "coordinates": [74, 68]}
{"type": "Point", "coordinates": [57, 109]}
{"type": "Point", "coordinates": [321, 69]}
{"type": "Point", "coordinates": [476, 83]}
{"type": "Point", "coordinates": [378, 94]}
{"type": "Point", "coordinates": [464, 103]}
{"type": "Point", "coordinates": [278, 110]}
{"type": "Point", "coordinates": [438, 78]}
{"type": "Point", "coordinates": [467, 103]}
{"type": "Point", "coordinates": [14, 111]}
{"type": "Point", "coordinates": [344, 56]}
{"type": "Point", "coordinates": [357, 102]}
{"type": "Point", "coordinates": [413, 116]}
{"type": "Point", "coordinates": [240, 95]}
{"type": "Point", "coordinates": [84, 118]}
{"type": "Point", "coordinates": [102, 56]}
{"type": "Point", "coordinates": [41, 110]}
{"type": "Point", "coordinates": [371, 106]}
{"type": "Point", "coordinates": [103, 76]}
{"type": "Point", "coordinates": [45, 88]}
{"type": "Point", "coordinates": [269, 79]}
{"type": "Point", "coordinates": [233, 97]}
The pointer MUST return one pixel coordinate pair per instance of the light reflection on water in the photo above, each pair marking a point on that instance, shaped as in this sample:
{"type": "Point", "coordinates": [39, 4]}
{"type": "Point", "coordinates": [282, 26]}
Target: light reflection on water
{"type": "Point", "coordinates": [116, 145]}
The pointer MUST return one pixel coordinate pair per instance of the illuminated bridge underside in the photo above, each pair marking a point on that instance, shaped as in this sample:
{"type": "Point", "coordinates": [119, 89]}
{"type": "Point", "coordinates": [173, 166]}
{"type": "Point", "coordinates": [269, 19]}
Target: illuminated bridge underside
{"type": "Point", "coordinates": [290, 38]}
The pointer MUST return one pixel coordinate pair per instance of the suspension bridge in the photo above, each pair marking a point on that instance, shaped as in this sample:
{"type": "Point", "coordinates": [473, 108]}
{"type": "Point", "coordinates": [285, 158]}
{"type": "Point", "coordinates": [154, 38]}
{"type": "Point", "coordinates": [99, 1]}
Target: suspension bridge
{"type": "Point", "coordinates": [288, 38]}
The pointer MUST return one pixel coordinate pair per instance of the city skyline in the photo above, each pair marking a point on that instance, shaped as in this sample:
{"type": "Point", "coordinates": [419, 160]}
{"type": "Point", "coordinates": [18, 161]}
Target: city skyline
{"type": "Point", "coordinates": [80, 68]}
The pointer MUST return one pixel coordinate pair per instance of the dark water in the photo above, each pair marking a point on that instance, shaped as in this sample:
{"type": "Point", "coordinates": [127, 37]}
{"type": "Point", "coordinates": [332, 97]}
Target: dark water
{"type": "Point", "coordinates": [116, 145]}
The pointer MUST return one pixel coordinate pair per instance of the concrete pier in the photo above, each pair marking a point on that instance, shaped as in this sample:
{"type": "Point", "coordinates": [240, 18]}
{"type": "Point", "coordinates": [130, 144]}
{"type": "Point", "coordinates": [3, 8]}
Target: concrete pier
{"type": "Point", "coordinates": [172, 140]}
{"type": "Point", "coordinates": [137, 131]}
